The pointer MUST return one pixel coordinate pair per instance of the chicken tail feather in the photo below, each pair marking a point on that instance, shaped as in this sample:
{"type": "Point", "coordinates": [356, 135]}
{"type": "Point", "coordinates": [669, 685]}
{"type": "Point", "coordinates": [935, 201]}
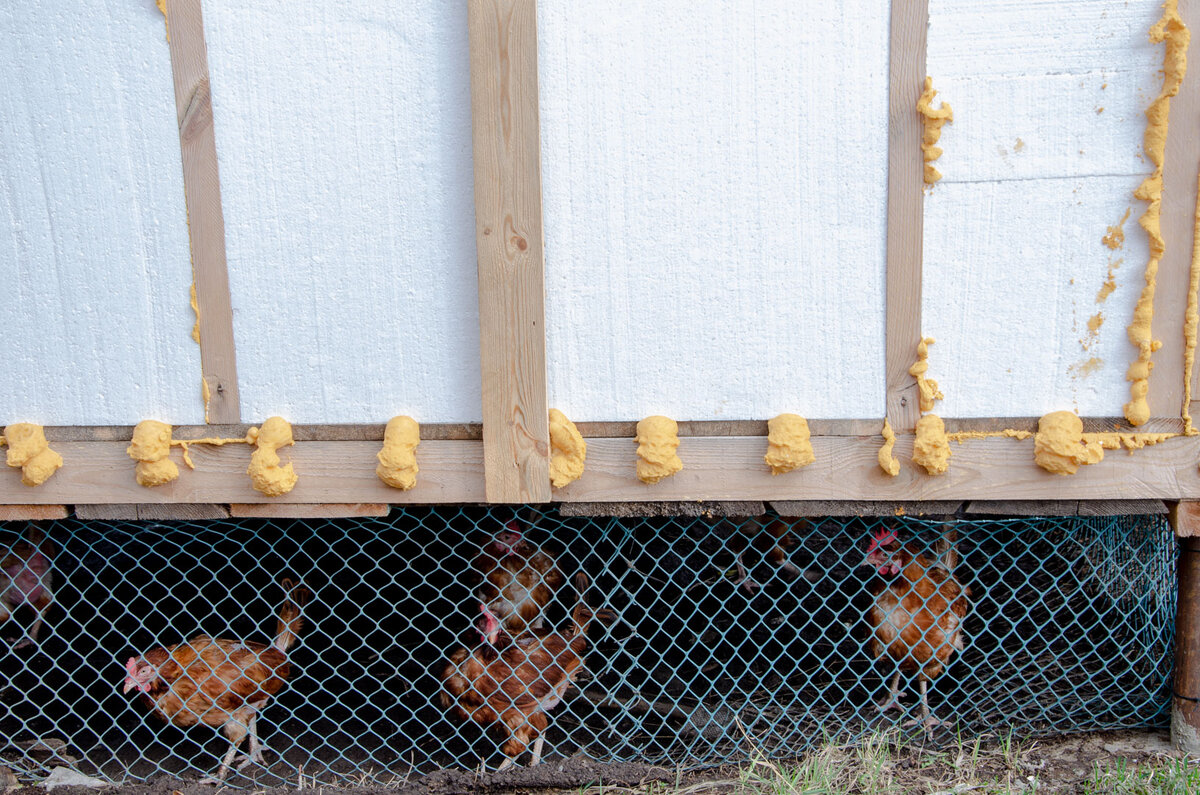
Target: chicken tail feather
{"type": "Point", "coordinates": [290, 620]}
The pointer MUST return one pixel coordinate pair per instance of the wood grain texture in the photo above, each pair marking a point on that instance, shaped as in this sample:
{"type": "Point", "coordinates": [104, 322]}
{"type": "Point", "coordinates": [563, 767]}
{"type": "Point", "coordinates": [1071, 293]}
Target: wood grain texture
{"type": "Point", "coordinates": [111, 512]}
{"type": "Point", "coordinates": [32, 513]}
{"type": "Point", "coordinates": [152, 512]}
{"type": "Point", "coordinates": [1065, 507]}
{"type": "Point", "coordinates": [731, 428]}
{"type": "Point", "coordinates": [606, 430]}
{"type": "Point", "coordinates": [1185, 702]}
{"type": "Point", "coordinates": [509, 240]}
{"type": "Point", "coordinates": [865, 508]}
{"type": "Point", "coordinates": [708, 510]}
{"type": "Point", "coordinates": [181, 512]}
{"type": "Point", "coordinates": [1185, 518]}
{"type": "Point", "coordinates": [1181, 168]}
{"type": "Point", "coordinates": [330, 472]}
{"type": "Point", "coordinates": [329, 510]}
{"type": "Point", "coordinates": [206, 220]}
{"type": "Point", "coordinates": [846, 469]}
{"type": "Point", "coordinates": [716, 469]}
{"type": "Point", "coordinates": [905, 208]}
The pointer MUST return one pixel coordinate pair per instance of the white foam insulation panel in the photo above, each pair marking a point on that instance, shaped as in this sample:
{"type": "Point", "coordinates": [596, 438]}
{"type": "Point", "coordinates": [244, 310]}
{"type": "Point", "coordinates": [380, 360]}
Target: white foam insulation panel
{"type": "Point", "coordinates": [1042, 157]}
{"type": "Point", "coordinates": [94, 261]}
{"type": "Point", "coordinates": [714, 193]}
{"type": "Point", "coordinates": [344, 141]}
{"type": "Point", "coordinates": [714, 180]}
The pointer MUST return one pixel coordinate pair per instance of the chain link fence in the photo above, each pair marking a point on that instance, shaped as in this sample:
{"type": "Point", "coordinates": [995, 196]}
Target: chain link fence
{"type": "Point", "coordinates": [714, 641]}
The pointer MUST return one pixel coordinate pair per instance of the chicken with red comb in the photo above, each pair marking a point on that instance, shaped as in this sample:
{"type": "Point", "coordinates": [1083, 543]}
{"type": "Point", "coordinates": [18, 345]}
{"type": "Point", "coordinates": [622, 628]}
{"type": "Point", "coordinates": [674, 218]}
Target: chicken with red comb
{"type": "Point", "coordinates": [518, 579]}
{"type": "Point", "coordinates": [916, 615]}
{"type": "Point", "coordinates": [218, 682]}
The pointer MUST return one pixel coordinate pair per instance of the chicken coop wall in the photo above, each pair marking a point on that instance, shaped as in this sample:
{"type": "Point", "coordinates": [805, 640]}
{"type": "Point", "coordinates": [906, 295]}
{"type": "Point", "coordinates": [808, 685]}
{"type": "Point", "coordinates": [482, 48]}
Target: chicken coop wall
{"type": "Point", "coordinates": [714, 640]}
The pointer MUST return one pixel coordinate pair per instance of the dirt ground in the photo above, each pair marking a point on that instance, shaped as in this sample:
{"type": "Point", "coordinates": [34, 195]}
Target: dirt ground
{"type": "Point", "coordinates": [1060, 764]}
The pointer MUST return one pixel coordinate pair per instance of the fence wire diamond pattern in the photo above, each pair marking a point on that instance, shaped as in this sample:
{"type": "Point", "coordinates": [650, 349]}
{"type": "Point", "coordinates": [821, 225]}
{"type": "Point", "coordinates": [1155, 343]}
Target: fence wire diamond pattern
{"type": "Point", "coordinates": [713, 640]}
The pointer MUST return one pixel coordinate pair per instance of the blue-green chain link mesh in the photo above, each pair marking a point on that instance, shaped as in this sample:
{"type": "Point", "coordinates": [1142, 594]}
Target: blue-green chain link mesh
{"type": "Point", "coordinates": [718, 649]}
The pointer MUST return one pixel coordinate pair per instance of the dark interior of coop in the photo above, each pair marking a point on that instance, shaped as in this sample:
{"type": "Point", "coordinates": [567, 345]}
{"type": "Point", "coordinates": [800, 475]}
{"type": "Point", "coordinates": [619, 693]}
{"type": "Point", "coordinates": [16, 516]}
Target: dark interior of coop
{"type": "Point", "coordinates": [716, 653]}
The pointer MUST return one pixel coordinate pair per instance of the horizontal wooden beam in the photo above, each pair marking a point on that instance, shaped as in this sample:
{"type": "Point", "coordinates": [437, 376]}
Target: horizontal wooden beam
{"type": "Point", "coordinates": [1065, 507]}
{"type": "Point", "coordinates": [327, 510]}
{"type": "Point", "coordinates": [930, 508]}
{"type": "Point", "coordinates": [709, 510]}
{"type": "Point", "coordinates": [715, 469]}
{"type": "Point", "coordinates": [30, 513]}
{"type": "Point", "coordinates": [846, 469]}
{"type": "Point", "coordinates": [473, 431]}
{"type": "Point", "coordinates": [157, 512]}
{"type": "Point", "coordinates": [360, 432]}
{"type": "Point", "coordinates": [330, 472]}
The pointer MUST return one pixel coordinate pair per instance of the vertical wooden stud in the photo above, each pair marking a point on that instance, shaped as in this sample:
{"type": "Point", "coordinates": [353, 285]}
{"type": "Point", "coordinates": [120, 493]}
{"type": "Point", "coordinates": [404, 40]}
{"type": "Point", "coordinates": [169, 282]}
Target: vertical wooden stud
{"type": "Point", "coordinates": [905, 208]}
{"type": "Point", "coordinates": [508, 235]}
{"type": "Point", "coordinates": [1185, 701]}
{"type": "Point", "coordinates": [206, 222]}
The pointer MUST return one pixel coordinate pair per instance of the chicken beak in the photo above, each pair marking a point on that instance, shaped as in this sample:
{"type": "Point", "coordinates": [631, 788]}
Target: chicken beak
{"type": "Point", "coordinates": [129, 685]}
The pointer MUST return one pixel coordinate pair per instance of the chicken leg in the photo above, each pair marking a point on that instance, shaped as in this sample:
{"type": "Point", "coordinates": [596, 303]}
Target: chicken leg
{"type": "Point", "coordinates": [927, 720]}
{"type": "Point", "coordinates": [537, 751]}
{"type": "Point", "coordinates": [893, 701]}
{"type": "Point", "coordinates": [236, 731]}
{"type": "Point", "coordinates": [255, 754]}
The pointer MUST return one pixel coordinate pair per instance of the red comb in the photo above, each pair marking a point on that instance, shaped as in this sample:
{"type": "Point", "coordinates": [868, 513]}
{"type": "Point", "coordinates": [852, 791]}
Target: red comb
{"type": "Point", "coordinates": [513, 527]}
{"type": "Point", "coordinates": [883, 537]}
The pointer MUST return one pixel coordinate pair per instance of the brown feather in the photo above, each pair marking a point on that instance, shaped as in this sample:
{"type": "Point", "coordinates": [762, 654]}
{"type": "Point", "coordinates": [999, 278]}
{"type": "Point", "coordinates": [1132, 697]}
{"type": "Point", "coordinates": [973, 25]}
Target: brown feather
{"type": "Point", "coordinates": [916, 617]}
{"type": "Point", "coordinates": [510, 686]}
{"type": "Point", "coordinates": [518, 585]}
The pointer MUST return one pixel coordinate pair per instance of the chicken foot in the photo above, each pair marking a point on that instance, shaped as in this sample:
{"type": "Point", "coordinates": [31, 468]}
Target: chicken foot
{"type": "Point", "coordinates": [893, 701]}
{"type": "Point", "coordinates": [535, 757]}
{"type": "Point", "coordinates": [223, 770]}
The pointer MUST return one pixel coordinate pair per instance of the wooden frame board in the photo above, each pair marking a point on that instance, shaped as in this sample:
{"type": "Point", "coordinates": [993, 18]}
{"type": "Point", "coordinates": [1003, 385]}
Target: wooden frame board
{"type": "Point", "coordinates": [206, 220]}
{"type": "Point", "coordinates": [509, 240]}
{"type": "Point", "coordinates": [715, 468]}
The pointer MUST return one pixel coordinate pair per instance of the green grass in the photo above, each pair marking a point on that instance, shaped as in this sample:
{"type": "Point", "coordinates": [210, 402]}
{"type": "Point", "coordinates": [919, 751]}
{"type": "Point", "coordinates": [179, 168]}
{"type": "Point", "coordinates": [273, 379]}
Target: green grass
{"type": "Point", "coordinates": [891, 763]}
{"type": "Point", "coordinates": [1167, 777]}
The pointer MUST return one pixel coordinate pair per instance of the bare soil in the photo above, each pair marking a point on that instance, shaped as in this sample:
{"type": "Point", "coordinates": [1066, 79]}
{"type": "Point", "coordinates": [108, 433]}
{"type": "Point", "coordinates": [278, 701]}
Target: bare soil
{"type": "Point", "coordinates": [1056, 765]}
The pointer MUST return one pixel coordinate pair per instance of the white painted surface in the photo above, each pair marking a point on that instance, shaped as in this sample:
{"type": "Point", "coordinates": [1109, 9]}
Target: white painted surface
{"type": "Point", "coordinates": [94, 262]}
{"type": "Point", "coordinates": [1043, 156]}
{"type": "Point", "coordinates": [714, 187]}
{"type": "Point", "coordinates": [344, 141]}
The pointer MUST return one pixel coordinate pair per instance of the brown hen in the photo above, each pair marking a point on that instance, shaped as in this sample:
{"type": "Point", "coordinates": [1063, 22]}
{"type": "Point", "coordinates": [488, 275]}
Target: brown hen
{"type": "Point", "coordinates": [218, 682]}
{"type": "Point", "coordinates": [916, 617]}
{"type": "Point", "coordinates": [26, 579]}
{"type": "Point", "coordinates": [509, 683]}
{"type": "Point", "coordinates": [519, 580]}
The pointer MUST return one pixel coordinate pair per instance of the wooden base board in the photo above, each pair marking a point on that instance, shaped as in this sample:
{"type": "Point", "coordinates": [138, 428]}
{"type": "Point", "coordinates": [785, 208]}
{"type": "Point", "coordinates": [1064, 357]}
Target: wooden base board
{"type": "Point", "coordinates": [715, 469]}
{"type": "Point", "coordinates": [32, 513]}
{"type": "Point", "coordinates": [301, 511]}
